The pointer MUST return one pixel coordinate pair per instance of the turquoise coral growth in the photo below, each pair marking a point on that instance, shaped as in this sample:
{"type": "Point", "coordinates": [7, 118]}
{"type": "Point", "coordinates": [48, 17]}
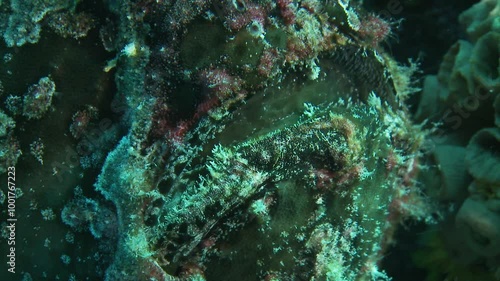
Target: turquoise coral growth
{"type": "Point", "coordinates": [38, 99]}
{"type": "Point", "coordinates": [25, 22]}
{"type": "Point", "coordinates": [252, 140]}
{"type": "Point", "coordinates": [306, 175]}
{"type": "Point", "coordinates": [465, 150]}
